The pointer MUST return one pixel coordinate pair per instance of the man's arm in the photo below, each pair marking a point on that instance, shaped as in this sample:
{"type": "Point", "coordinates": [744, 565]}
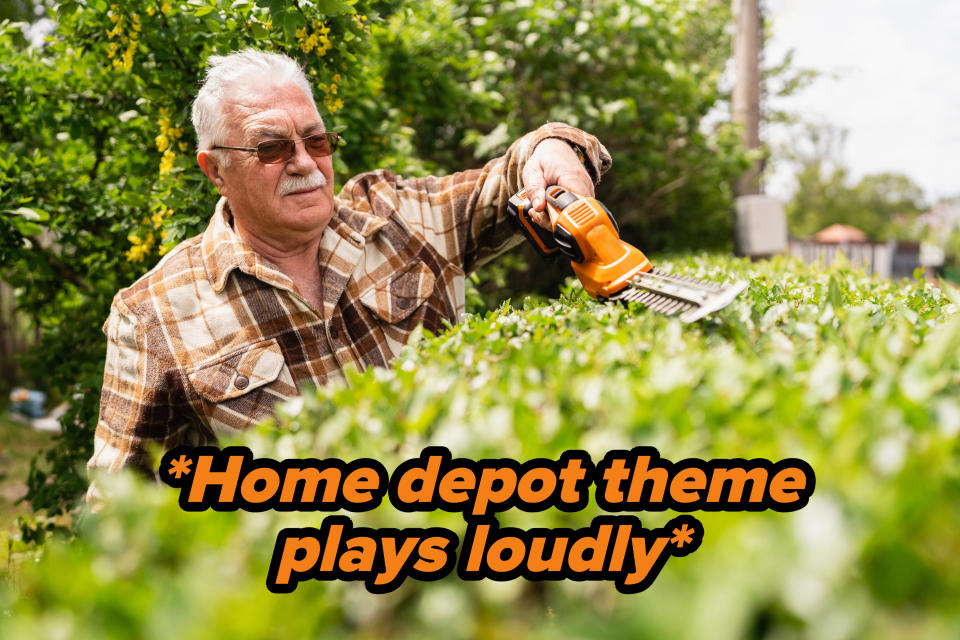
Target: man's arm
{"type": "Point", "coordinates": [464, 215]}
{"type": "Point", "coordinates": [134, 403]}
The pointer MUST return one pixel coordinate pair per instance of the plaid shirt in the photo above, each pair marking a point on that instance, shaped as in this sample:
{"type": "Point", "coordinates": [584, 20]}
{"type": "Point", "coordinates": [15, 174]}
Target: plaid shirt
{"type": "Point", "coordinates": [211, 338]}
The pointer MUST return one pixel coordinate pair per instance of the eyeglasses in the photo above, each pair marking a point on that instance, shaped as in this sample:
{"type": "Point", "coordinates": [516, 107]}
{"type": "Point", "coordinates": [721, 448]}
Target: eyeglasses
{"type": "Point", "coordinates": [277, 151]}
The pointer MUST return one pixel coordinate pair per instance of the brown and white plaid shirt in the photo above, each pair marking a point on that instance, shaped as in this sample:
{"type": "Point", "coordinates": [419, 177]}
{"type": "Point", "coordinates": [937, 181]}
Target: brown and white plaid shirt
{"type": "Point", "coordinates": [211, 338]}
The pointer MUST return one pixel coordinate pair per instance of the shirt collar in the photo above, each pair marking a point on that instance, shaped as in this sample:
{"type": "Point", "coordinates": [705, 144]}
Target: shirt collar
{"type": "Point", "coordinates": [223, 250]}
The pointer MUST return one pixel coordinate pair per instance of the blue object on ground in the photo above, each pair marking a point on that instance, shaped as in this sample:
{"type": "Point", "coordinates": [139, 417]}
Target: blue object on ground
{"type": "Point", "coordinates": [28, 402]}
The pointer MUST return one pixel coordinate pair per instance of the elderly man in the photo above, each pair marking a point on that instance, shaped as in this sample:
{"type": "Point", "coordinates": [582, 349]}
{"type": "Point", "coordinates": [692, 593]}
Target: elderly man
{"type": "Point", "coordinates": [288, 284]}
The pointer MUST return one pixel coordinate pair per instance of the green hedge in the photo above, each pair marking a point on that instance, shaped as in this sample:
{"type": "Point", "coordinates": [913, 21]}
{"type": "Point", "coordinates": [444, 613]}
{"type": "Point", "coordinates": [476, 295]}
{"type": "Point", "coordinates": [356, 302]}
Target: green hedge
{"type": "Point", "coordinates": [857, 376]}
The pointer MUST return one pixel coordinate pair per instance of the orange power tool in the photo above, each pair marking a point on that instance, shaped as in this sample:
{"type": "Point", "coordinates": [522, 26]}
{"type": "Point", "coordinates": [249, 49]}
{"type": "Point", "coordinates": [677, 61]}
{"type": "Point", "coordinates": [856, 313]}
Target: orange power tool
{"type": "Point", "coordinates": [608, 267]}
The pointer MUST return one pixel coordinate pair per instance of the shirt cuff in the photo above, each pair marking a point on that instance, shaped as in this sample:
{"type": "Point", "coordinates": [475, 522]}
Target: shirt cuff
{"type": "Point", "coordinates": [594, 155]}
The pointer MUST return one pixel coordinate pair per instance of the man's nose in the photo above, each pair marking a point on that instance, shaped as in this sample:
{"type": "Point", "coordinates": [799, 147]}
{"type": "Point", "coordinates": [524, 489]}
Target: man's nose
{"type": "Point", "coordinates": [301, 162]}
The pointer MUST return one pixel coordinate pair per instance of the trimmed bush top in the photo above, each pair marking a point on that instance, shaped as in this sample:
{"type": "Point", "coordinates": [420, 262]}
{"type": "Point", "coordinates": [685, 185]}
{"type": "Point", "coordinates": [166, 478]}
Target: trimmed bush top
{"type": "Point", "coordinates": [857, 376]}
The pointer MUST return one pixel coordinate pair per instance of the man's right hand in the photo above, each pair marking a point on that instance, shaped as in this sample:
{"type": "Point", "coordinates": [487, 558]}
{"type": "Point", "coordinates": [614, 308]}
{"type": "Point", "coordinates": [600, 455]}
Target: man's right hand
{"type": "Point", "coordinates": [553, 162]}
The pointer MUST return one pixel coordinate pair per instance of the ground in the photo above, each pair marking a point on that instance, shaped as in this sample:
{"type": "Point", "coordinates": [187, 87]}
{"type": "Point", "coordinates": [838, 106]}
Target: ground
{"type": "Point", "coordinates": [18, 444]}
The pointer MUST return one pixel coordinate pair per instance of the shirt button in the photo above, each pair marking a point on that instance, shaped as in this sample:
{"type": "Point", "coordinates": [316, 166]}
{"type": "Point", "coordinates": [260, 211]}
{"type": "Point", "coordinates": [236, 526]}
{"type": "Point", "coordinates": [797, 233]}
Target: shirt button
{"type": "Point", "coordinates": [241, 382]}
{"type": "Point", "coordinates": [403, 303]}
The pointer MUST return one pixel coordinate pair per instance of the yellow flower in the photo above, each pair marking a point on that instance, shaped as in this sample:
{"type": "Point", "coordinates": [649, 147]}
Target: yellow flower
{"type": "Point", "coordinates": [324, 45]}
{"type": "Point", "coordinates": [162, 142]}
{"type": "Point", "coordinates": [183, 147]}
{"type": "Point", "coordinates": [165, 8]}
{"type": "Point", "coordinates": [268, 25]}
{"type": "Point", "coordinates": [333, 105]}
{"type": "Point", "coordinates": [112, 50]}
{"type": "Point", "coordinates": [301, 33]}
{"type": "Point", "coordinates": [114, 18]}
{"type": "Point", "coordinates": [310, 43]}
{"type": "Point", "coordinates": [336, 77]}
{"type": "Point", "coordinates": [166, 162]}
{"type": "Point", "coordinates": [333, 89]}
{"type": "Point", "coordinates": [128, 55]}
{"type": "Point", "coordinates": [151, 11]}
{"type": "Point", "coordinates": [140, 249]}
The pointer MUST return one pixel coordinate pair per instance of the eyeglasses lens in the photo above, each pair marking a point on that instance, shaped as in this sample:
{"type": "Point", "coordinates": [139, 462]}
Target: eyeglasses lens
{"type": "Point", "coordinates": [276, 151]}
{"type": "Point", "coordinates": [319, 146]}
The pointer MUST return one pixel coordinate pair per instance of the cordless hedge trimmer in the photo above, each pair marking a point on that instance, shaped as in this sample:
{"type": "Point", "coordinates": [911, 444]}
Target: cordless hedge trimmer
{"type": "Point", "coordinates": [609, 268]}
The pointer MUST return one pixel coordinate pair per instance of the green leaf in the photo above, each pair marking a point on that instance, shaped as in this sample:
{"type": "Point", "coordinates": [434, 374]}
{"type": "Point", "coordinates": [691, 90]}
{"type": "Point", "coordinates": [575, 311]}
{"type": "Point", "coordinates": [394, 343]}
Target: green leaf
{"type": "Point", "coordinates": [290, 20]}
{"type": "Point", "coordinates": [335, 7]}
{"type": "Point", "coordinates": [67, 9]}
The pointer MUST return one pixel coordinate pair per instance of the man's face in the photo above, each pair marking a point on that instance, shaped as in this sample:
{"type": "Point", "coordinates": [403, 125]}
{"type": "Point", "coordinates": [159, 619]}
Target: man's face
{"type": "Point", "coordinates": [279, 204]}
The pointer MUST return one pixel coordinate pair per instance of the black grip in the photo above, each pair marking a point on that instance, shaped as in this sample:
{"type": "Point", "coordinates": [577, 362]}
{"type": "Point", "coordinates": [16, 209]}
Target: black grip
{"type": "Point", "coordinates": [567, 243]}
{"type": "Point", "coordinates": [519, 207]}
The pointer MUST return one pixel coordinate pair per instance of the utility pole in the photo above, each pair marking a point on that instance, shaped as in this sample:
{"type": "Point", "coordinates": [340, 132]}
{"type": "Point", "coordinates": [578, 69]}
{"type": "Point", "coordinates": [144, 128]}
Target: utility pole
{"type": "Point", "coordinates": [746, 91]}
{"type": "Point", "coordinates": [761, 223]}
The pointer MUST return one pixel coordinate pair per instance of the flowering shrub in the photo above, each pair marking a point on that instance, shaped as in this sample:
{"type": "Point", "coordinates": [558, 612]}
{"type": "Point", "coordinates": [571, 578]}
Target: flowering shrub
{"type": "Point", "coordinates": [97, 171]}
{"type": "Point", "coordinates": [98, 176]}
{"type": "Point", "coordinates": [857, 376]}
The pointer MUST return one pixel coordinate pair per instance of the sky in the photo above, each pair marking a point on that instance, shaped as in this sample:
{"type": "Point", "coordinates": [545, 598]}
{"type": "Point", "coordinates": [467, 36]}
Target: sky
{"type": "Point", "coordinates": [897, 90]}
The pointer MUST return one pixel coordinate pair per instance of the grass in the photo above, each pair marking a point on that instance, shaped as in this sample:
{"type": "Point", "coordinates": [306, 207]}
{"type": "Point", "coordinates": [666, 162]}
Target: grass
{"type": "Point", "coordinates": [18, 444]}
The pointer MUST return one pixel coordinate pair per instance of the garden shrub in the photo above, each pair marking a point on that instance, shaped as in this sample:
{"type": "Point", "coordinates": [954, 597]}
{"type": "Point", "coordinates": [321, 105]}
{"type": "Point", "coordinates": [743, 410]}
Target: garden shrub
{"type": "Point", "coordinates": [855, 375]}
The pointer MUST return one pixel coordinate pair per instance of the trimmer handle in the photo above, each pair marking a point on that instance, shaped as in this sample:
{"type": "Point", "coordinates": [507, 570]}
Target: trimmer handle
{"type": "Point", "coordinates": [587, 233]}
{"type": "Point", "coordinates": [519, 206]}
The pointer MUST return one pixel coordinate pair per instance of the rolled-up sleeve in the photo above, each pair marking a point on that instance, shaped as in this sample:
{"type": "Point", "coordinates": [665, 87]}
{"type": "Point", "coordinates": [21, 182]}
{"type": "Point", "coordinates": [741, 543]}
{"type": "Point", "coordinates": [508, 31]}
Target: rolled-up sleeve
{"type": "Point", "coordinates": [464, 215]}
{"type": "Point", "coordinates": [134, 403]}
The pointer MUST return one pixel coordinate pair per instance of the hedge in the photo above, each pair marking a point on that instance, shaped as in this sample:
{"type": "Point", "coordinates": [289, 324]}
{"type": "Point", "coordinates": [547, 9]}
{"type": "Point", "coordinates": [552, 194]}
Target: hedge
{"type": "Point", "coordinates": [855, 375]}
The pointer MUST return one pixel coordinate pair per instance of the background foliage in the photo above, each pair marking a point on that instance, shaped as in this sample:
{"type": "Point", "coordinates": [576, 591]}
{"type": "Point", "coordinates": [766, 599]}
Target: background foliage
{"type": "Point", "coordinates": [884, 205]}
{"type": "Point", "coordinates": [97, 170]}
{"type": "Point", "coordinates": [855, 375]}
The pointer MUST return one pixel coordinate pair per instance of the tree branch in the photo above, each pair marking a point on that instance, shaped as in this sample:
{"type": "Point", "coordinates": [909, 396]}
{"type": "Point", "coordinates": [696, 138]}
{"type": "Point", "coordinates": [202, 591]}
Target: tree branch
{"type": "Point", "coordinates": [99, 137]}
{"type": "Point", "coordinates": [671, 186]}
{"type": "Point", "coordinates": [61, 269]}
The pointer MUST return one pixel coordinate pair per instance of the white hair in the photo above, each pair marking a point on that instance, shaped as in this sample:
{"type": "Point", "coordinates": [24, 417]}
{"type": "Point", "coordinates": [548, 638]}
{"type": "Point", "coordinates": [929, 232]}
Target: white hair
{"type": "Point", "coordinates": [245, 71]}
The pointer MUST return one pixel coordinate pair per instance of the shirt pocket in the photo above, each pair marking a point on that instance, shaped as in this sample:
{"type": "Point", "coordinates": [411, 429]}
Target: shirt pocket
{"type": "Point", "coordinates": [240, 373]}
{"type": "Point", "coordinates": [396, 298]}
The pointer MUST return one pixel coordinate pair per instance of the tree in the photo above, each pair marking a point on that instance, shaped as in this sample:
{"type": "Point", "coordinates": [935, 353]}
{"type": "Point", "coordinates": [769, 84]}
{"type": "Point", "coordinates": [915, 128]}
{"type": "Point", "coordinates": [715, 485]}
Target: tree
{"type": "Point", "coordinates": [641, 76]}
{"type": "Point", "coordinates": [98, 178]}
{"type": "Point", "coordinates": [97, 175]}
{"type": "Point", "coordinates": [824, 195]}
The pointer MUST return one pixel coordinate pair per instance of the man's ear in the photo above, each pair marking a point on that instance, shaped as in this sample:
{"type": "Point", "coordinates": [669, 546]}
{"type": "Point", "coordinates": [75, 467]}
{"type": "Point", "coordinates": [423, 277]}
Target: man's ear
{"type": "Point", "coordinates": [211, 169]}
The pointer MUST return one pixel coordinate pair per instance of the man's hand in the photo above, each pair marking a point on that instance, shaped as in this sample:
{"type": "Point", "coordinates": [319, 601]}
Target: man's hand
{"type": "Point", "coordinates": [553, 162]}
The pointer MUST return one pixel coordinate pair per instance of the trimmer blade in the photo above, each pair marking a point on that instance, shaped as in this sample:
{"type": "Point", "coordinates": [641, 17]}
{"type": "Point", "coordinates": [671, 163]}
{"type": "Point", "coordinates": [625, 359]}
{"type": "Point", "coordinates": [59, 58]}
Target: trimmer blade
{"type": "Point", "coordinates": [670, 294]}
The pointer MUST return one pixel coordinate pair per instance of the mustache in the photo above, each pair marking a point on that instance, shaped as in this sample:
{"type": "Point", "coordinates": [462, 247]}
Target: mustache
{"type": "Point", "coordinates": [313, 180]}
